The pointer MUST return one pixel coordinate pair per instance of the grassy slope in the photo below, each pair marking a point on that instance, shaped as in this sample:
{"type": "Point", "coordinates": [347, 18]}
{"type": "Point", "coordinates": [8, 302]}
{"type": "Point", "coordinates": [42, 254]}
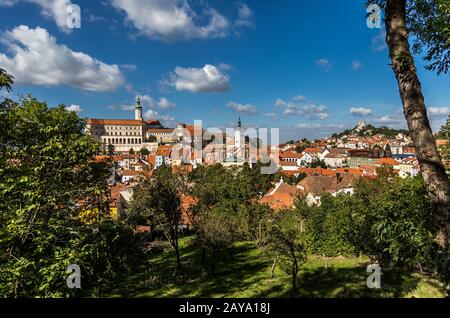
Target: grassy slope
{"type": "Point", "coordinates": [246, 273]}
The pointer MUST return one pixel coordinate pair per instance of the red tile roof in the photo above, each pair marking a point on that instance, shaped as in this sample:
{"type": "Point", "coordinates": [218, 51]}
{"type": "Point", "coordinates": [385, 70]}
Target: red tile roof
{"type": "Point", "coordinates": [281, 197]}
{"type": "Point", "coordinates": [313, 150]}
{"type": "Point", "coordinates": [290, 155]}
{"type": "Point", "coordinates": [387, 161]}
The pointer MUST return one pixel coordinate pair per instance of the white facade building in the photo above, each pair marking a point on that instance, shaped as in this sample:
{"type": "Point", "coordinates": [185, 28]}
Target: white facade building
{"type": "Point", "coordinates": [122, 134]}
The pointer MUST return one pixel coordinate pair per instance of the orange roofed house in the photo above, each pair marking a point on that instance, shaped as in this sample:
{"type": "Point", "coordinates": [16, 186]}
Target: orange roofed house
{"type": "Point", "coordinates": [314, 186]}
{"type": "Point", "coordinates": [123, 134]}
{"type": "Point", "coordinates": [281, 197]}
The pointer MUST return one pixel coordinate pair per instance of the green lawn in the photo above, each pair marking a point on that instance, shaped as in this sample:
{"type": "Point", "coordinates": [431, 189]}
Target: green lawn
{"type": "Point", "coordinates": [247, 273]}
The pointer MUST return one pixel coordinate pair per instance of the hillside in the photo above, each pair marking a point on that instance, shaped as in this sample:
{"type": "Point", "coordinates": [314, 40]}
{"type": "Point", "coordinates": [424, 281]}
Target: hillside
{"type": "Point", "coordinates": [367, 130]}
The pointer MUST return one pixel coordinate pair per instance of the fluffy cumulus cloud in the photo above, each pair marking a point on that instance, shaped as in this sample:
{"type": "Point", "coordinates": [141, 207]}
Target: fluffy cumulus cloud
{"type": "Point", "coordinates": [36, 58]}
{"type": "Point", "coordinates": [74, 108]}
{"type": "Point", "coordinates": [396, 120]}
{"type": "Point", "coordinates": [151, 114]}
{"type": "Point", "coordinates": [200, 80]}
{"type": "Point", "coordinates": [148, 102]}
{"type": "Point", "coordinates": [302, 107]}
{"type": "Point", "coordinates": [173, 19]}
{"type": "Point", "coordinates": [162, 103]}
{"type": "Point", "coordinates": [53, 9]}
{"type": "Point", "coordinates": [242, 108]}
{"type": "Point", "coordinates": [360, 111]}
{"type": "Point", "coordinates": [167, 120]}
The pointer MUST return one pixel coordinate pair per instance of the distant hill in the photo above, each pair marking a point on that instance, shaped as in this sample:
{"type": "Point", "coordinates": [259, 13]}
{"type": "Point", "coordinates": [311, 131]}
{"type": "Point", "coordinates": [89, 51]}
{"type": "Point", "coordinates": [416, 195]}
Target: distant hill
{"type": "Point", "coordinates": [363, 129]}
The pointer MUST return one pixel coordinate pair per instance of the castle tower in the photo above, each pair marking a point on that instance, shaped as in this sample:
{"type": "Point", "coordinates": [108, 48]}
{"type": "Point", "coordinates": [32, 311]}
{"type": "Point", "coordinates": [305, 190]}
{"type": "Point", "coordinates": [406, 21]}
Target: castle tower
{"type": "Point", "coordinates": [239, 135]}
{"type": "Point", "coordinates": [138, 110]}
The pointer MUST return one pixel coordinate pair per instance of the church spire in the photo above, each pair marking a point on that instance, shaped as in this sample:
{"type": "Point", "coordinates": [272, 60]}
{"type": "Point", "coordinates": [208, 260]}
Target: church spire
{"type": "Point", "coordinates": [138, 103]}
{"type": "Point", "coordinates": [239, 122]}
{"type": "Point", "coordinates": [138, 110]}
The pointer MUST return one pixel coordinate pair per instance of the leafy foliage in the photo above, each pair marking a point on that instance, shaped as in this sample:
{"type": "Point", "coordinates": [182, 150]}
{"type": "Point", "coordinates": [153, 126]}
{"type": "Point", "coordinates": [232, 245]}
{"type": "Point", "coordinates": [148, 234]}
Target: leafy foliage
{"type": "Point", "coordinates": [428, 23]}
{"type": "Point", "coordinates": [392, 221]}
{"type": "Point", "coordinates": [6, 80]}
{"type": "Point", "coordinates": [47, 180]}
{"type": "Point", "coordinates": [157, 202]}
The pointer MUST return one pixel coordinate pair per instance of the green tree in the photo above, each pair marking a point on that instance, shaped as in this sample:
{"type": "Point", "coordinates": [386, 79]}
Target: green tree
{"type": "Point", "coordinates": [426, 21]}
{"type": "Point", "coordinates": [53, 199]}
{"type": "Point", "coordinates": [285, 242]}
{"type": "Point", "coordinates": [110, 150]}
{"type": "Point", "coordinates": [157, 202]}
{"type": "Point", "coordinates": [131, 151]}
{"type": "Point", "coordinates": [144, 151]}
{"type": "Point", "coordinates": [6, 80]}
{"type": "Point", "coordinates": [392, 221]}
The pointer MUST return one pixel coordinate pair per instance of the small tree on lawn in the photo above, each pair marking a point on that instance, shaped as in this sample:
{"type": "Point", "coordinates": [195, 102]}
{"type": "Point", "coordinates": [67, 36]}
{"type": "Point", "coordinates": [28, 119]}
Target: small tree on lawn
{"type": "Point", "coordinates": [286, 246]}
{"type": "Point", "coordinates": [157, 202]}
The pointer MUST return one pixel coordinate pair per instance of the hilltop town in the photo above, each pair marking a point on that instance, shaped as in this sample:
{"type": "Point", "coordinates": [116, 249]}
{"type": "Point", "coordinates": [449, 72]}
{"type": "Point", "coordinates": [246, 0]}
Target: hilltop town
{"type": "Point", "coordinates": [305, 168]}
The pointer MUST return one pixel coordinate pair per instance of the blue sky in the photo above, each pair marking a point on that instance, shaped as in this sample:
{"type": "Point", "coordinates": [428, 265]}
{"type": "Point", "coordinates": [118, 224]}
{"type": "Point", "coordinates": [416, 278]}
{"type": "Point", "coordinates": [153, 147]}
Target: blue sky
{"type": "Point", "coordinates": [310, 68]}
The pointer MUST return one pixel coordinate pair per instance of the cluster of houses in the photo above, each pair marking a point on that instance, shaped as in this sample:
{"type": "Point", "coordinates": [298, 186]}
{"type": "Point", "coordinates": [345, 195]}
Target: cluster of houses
{"type": "Point", "coordinates": [329, 165]}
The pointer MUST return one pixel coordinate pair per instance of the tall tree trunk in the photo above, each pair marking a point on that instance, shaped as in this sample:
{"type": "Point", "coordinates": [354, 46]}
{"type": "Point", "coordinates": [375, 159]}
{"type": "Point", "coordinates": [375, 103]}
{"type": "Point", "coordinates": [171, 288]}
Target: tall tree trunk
{"type": "Point", "coordinates": [433, 170]}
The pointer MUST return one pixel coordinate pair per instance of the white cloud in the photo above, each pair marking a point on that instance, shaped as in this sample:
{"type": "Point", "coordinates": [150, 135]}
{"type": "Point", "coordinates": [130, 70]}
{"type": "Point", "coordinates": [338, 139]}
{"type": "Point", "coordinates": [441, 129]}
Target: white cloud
{"type": "Point", "coordinates": [39, 60]}
{"type": "Point", "coordinates": [310, 111]}
{"type": "Point", "coordinates": [379, 41]}
{"type": "Point", "coordinates": [360, 111]}
{"type": "Point", "coordinates": [438, 111]}
{"type": "Point", "coordinates": [173, 19]}
{"type": "Point", "coordinates": [436, 115]}
{"type": "Point", "coordinates": [167, 120]}
{"type": "Point", "coordinates": [242, 108]}
{"type": "Point", "coordinates": [54, 9]}
{"type": "Point", "coordinates": [299, 97]}
{"type": "Point", "coordinates": [129, 67]}
{"type": "Point", "coordinates": [151, 114]}
{"type": "Point", "coordinates": [396, 120]}
{"type": "Point", "coordinates": [307, 108]}
{"type": "Point", "coordinates": [200, 80]}
{"type": "Point", "coordinates": [147, 102]}
{"type": "Point", "coordinates": [74, 108]}
{"type": "Point", "coordinates": [245, 16]}
{"type": "Point", "coordinates": [324, 64]}
{"type": "Point", "coordinates": [272, 116]}
{"type": "Point", "coordinates": [309, 126]}
{"type": "Point", "coordinates": [150, 102]}
{"type": "Point", "coordinates": [279, 102]}
{"type": "Point", "coordinates": [357, 65]}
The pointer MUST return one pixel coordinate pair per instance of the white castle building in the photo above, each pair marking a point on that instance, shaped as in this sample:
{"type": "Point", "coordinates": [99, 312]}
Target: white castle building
{"type": "Point", "coordinates": [123, 134]}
